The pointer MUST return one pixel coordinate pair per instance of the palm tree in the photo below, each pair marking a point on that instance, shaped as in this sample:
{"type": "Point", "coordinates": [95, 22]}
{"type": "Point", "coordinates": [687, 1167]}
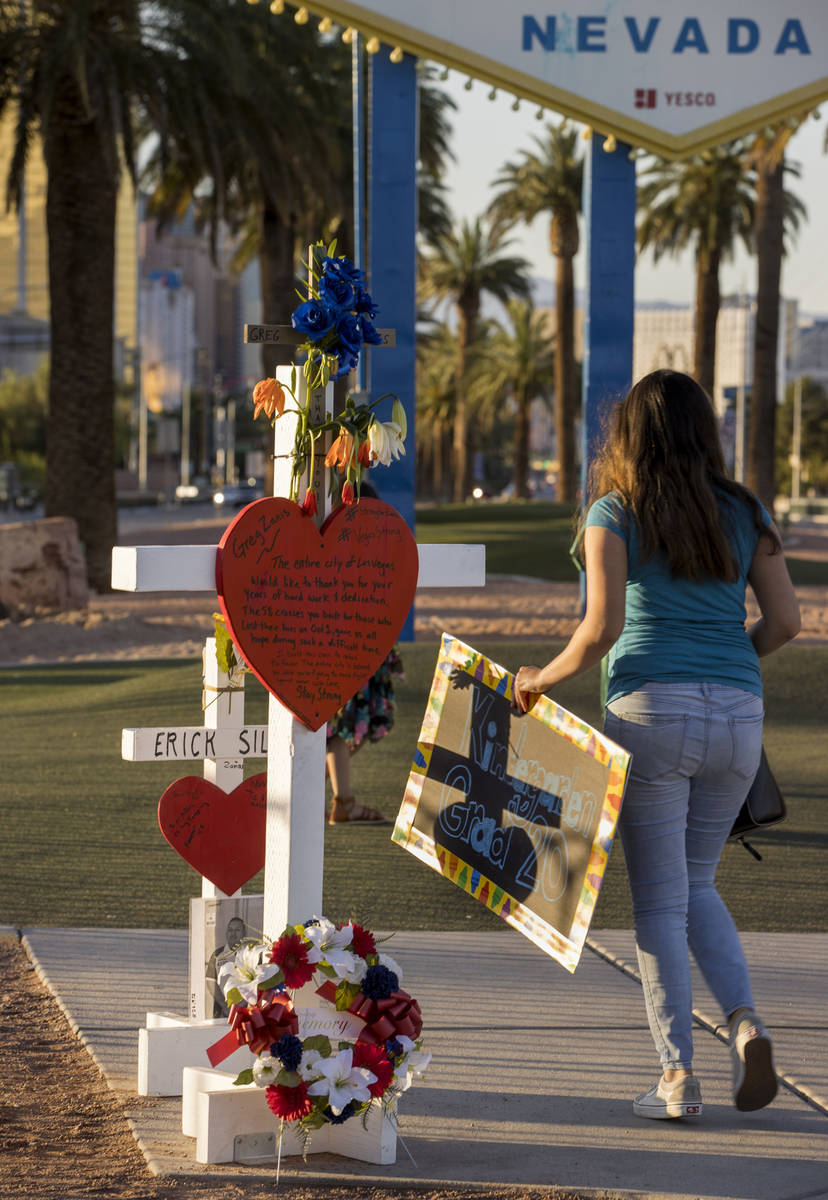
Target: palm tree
{"type": "Point", "coordinates": [550, 181]}
{"type": "Point", "coordinates": [776, 209]}
{"type": "Point", "coordinates": [708, 202]}
{"type": "Point", "coordinates": [517, 365]}
{"type": "Point", "coordinates": [75, 72]}
{"type": "Point", "coordinates": [463, 266]}
{"type": "Point", "coordinates": [286, 182]}
{"type": "Point", "coordinates": [436, 397]}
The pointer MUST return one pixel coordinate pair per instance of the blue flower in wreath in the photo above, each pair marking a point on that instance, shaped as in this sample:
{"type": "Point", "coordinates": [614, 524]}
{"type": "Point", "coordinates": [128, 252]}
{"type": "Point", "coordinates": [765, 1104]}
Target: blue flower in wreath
{"type": "Point", "coordinates": [288, 1050]}
{"type": "Point", "coordinates": [350, 1110]}
{"type": "Point", "coordinates": [379, 982]}
{"type": "Point", "coordinates": [313, 319]}
{"type": "Point", "coordinates": [337, 292]}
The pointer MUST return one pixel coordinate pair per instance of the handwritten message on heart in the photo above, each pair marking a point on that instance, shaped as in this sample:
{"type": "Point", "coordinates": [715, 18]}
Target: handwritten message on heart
{"type": "Point", "coordinates": [220, 834]}
{"type": "Point", "coordinates": [312, 611]}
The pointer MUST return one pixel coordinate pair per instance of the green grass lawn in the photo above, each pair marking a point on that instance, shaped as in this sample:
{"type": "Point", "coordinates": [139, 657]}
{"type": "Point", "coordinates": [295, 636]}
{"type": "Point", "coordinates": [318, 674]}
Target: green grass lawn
{"type": "Point", "coordinates": [533, 538]}
{"type": "Point", "coordinates": [81, 846]}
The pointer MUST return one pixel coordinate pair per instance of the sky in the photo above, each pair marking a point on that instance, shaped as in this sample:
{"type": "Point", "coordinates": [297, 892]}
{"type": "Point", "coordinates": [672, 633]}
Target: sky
{"type": "Point", "coordinates": [488, 133]}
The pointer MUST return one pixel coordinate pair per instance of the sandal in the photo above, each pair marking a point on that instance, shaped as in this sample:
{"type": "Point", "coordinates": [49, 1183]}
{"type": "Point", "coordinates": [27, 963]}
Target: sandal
{"type": "Point", "coordinates": [351, 813]}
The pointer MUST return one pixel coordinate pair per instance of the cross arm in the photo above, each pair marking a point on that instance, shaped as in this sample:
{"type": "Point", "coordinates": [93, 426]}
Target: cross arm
{"type": "Point", "coordinates": [193, 568]}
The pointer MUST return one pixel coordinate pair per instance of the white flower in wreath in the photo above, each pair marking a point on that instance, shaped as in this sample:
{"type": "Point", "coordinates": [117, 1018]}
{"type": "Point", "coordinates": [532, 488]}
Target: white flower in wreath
{"type": "Point", "coordinates": [308, 1068]}
{"type": "Point", "coordinates": [342, 1082]}
{"type": "Point", "coordinates": [329, 945]}
{"type": "Point", "coordinates": [412, 1066]}
{"type": "Point", "coordinates": [245, 971]}
{"type": "Point", "coordinates": [265, 1070]}
{"type": "Point", "coordinates": [385, 441]}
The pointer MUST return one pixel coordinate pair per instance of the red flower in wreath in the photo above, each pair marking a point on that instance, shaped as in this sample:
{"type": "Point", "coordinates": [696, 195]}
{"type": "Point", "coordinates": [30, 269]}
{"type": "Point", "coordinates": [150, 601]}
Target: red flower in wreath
{"type": "Point", "coordinates": [291, 954]}
{"type": "Point", "coordinates": [375, 1059]}
{"type": "Point", "coordinates": [289, 1103]}
{"type": "Point", "coordinates": [363, 943]}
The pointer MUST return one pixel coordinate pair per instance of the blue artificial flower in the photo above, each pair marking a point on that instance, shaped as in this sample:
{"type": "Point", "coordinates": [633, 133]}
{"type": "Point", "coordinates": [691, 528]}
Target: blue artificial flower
{"type": "Point", "coordinates": [350, 1110]}
{"type": "Point", "coordinates": [370, 335]}
{"type": "Point", "coordinates": [348, 332]}
{"type": "Point", "coordinates": [344, 268]}
{"type": "Point", "coordinates": [378, 982]}
{"type": "Point", "coordinates": [288, 1050]}
{"type": "Point", "coordinates": [337, 292]}
{"type": "Point", "coordinates": [365, 304]}
{"type": "Point", "coordinates": [394, 1048]}
{"type": "Point", "coordinates": [313, 319]}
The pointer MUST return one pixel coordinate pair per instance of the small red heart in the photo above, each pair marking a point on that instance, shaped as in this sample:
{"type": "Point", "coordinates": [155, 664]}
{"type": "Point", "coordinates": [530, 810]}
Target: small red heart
{"type": "Point", "coordinates": [314, 612]}
{"type": "Point", "coordinates": [220, 834]}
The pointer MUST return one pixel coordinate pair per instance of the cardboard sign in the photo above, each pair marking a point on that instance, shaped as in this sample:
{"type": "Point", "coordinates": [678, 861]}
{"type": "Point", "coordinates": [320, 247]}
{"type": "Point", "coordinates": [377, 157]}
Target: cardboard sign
{"type": "Point", "coordinates": [314, 612]}
{"type": "Point", "coordinates": [220, 834]}
{"type": "Point", "coordinates": [519, 810]}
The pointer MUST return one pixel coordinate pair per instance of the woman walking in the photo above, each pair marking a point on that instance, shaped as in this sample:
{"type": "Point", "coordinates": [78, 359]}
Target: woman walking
{"type": "Point", "coordinates": [669, 544]}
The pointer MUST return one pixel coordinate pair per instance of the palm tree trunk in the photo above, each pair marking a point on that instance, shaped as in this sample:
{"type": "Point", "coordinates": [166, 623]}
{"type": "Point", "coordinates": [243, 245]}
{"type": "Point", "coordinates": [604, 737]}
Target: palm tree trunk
{"type": "Point", "coordinates": [522, 446]}
{"type": "Point", "coordinates": [81, 198]}
{"type": "Point", "coordinates": [708, 302]}
{"type": "Point", "coordinates": [762, 417]}
{"type": "Point", "coordinates": [566, 401]}
{"type": "Point", "coordinates": [467, 314]}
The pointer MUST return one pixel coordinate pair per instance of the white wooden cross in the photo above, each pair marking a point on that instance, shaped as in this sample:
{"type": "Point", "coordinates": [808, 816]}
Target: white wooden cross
{"type": "Point", "coordinates": [294, 839]}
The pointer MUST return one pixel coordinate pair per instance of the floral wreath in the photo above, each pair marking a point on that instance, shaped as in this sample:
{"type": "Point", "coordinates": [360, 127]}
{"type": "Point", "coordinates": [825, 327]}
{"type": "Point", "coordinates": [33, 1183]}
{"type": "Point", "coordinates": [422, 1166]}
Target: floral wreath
{"type": "Point", "coordinates": [337, 321]}
{"type": "Point", "coordinates": [312, 1080]}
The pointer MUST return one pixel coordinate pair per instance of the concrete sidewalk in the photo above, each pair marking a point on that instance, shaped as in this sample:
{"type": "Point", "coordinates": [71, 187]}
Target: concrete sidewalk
{"type": "Point", "coordinates": [533, 1074]}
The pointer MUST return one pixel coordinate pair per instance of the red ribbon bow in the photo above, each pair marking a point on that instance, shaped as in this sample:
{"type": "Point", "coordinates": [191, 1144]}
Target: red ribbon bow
{"type": "Point", "coordinates": [397, 1016]}
{"type": "Point", "coordinates": [256, 1026]}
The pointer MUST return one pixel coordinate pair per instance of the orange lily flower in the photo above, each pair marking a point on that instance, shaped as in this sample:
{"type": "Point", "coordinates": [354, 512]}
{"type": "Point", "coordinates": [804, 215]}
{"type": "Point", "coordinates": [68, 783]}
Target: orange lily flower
{"type": "Point", "coordinates": [341, 452]}
{"type": "Point", "coordinates": [269, 398]}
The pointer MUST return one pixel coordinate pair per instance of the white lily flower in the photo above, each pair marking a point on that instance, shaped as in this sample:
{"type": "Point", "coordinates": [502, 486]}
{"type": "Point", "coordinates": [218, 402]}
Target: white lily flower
{"type": "Point", "coordinates": [342, 1082]}
{"type": "Point", "coordinates": [398, 416]}
{"type": "Point", "coordinates": [246, 971]}
{"type": "Point", "coordinates": [329, 944]}
{"type": "Point", "coordinates": [265, 1070]}
{"type": "Point", "coordinates": [385, 441]}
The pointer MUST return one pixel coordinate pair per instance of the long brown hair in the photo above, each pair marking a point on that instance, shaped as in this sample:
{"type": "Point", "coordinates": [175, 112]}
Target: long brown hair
{"type": "Point", "coordinates": [662, 456]}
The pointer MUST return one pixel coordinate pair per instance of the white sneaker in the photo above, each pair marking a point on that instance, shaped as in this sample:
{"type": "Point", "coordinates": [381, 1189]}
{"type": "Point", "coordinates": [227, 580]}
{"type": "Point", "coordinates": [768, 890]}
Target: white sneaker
{"type": "Point", "coordinates": [681, 1098]}
{"type": "Point", "coordinates": [754, 1077]}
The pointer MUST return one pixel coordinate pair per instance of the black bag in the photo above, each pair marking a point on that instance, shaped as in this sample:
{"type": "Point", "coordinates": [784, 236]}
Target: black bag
{"type": "Point", "coordinates": [764, 805]}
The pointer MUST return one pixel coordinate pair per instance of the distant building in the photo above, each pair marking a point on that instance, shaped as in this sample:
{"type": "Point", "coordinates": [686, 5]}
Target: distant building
{"type": "Point", "coordinates": [184, 251]}
{"type": "Point", "coordinates": [665, 336]}
{"type": "Point", "coordinates": [812, 351]}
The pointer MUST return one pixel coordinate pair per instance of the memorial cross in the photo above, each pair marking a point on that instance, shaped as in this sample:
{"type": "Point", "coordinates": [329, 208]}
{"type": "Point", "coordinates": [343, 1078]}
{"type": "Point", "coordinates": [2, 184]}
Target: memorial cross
{"type": "Point", "coordinates": [296, 755]}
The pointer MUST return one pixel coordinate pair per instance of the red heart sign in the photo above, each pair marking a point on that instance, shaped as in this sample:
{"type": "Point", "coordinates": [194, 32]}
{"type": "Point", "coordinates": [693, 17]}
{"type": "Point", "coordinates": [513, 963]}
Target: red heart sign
{"type": "Point", "coordinates": [220, 834]}
{"type": "Point", "coordinates": [314, 612]}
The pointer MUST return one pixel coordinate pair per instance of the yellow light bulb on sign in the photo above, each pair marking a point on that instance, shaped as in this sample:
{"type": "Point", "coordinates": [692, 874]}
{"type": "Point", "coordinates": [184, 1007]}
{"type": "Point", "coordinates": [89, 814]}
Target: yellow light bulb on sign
{"type": "Point", "coordinates": [325, 25]}
{"type": "Point", "coordinates": [396, 54]}
{"type": "Point", "coordinates": [372, 45]}
{"type": "Point", "coordinates": [302, 16]}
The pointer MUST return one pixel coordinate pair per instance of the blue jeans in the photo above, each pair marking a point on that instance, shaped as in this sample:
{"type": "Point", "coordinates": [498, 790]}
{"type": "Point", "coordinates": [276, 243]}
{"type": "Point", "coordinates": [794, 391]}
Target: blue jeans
{"type": "Point", "coordinates": [696, 749]}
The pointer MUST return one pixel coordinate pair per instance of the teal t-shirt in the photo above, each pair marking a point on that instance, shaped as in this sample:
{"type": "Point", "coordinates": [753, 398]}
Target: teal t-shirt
{"type": "Point", "coordinates": [677, 629]}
